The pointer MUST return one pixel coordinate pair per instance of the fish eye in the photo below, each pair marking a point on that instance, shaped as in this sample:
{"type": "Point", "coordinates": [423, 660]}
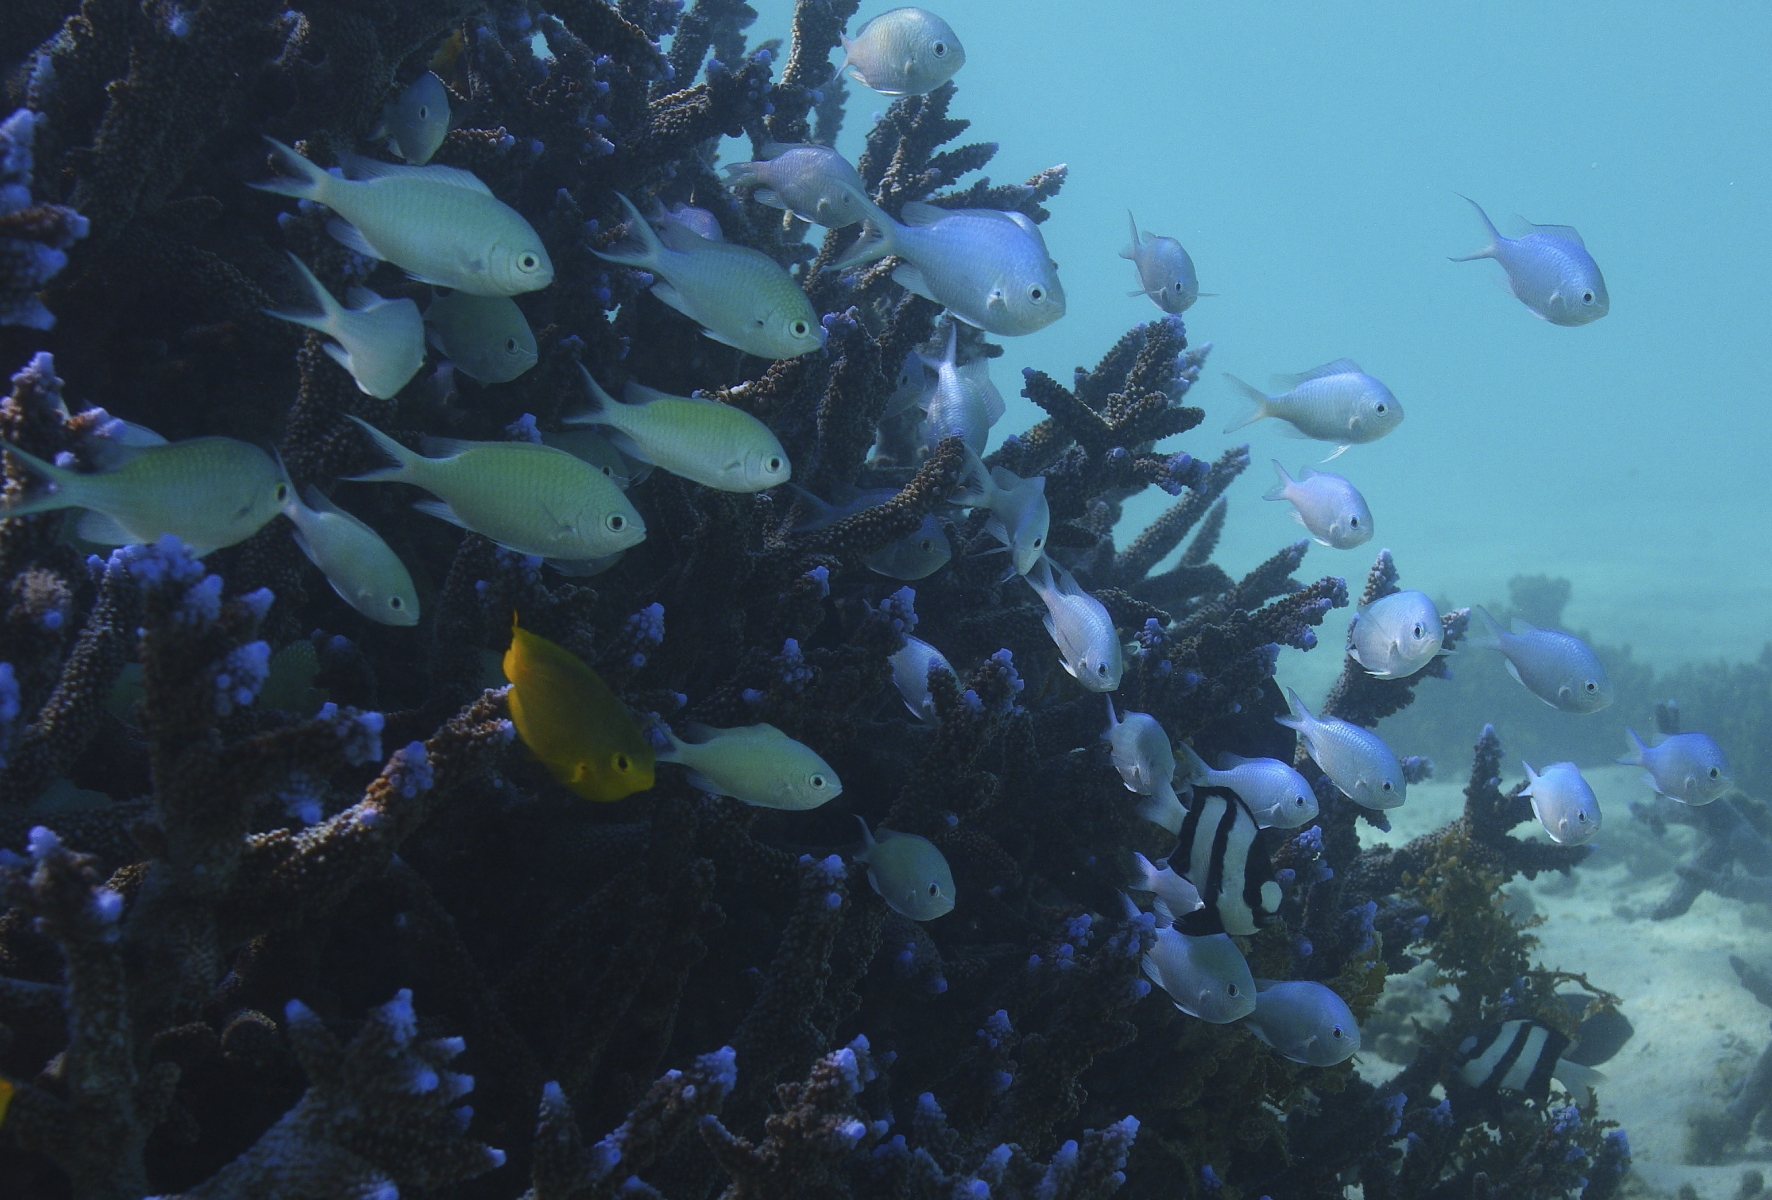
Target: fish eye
{"type": "Point", "coordinates": [1387, 785]}
{"type": "Point", "coordinates": [1036, 293]}
{"type": "Point", "coordinates": [394, 602]}
{"type": "Point", "coordinates": [926, 544]}
{"type": "Point", "coordinates": [940, 49]}
{"type": "Point", "coordinates": [1101, 668]}
{"type": "Point", "coordinates": [615, 522]}
{"type": "Point", "coordinates": [1418, 631]}
{"type": "Point", "coordinates": [510, 345]}
{"type": "Point", "coordinates": [1038, 542]}
{"type": "Point", "coordinates": [1356, 522]}
{"type": "Point", "coordinates": [1381, 409]}
{"type": "Point", "coordinates": [1582, 817]}
{"type": "Point", "coordinates": [816, 781]}
{"type": "Point", "coordinates": [934, 890]}
{"type": "Point", "coordinates": [1298, 800]}
{"type": "Point", "coordinates": [282, 492]}
{"type": "Point", "coordinates": [1587, 297]}
{"type": "Point", "coordinates": [528, 262]}
{"type": "Point", "coordinates": [1592, 686]}
{"type": "Point", "coordinates": [773, 465]}
{"type": "Point", "coordinates": [1335, 1033]}
{"type": "Point", "coordinates": [424, 112]}
{"type": "Point", "coordinates": [1715, 774]}
{"type": "Point", "coordinates": [1230, 989]}
{"type": "Point", "coordinates": [798, 328]}
{"type": "Point", "coordinates": [622, 763]}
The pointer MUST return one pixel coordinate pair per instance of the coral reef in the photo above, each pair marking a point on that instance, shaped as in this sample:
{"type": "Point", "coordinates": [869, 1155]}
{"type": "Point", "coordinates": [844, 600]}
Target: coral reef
{"type": "Point", "coordinates": [238, 817]}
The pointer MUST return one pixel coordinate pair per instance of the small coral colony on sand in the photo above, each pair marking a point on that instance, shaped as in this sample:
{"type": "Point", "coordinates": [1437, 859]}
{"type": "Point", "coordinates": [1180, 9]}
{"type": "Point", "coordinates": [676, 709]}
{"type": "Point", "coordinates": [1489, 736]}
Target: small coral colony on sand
{"type": "Point", "coordinates": [833, 448]}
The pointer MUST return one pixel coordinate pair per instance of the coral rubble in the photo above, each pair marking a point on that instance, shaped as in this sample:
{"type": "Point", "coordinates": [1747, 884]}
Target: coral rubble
{"type": "Point", "coordinates": [237, 816]}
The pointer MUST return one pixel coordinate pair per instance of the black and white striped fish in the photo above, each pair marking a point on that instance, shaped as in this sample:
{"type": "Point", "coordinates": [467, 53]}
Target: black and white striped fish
{"type": "Point", "coordinates": [1222, 855]}
{"type": "Point", "coordinates": [1520, 1056]}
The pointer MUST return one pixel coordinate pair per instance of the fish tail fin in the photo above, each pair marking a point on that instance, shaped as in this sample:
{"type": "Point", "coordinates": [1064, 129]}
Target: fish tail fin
{"type": "Point", "coordinates": [1489, 228]}
{"type": "Point", "coordinates": [1298, 715]}
{"type": "Point", "coordinates": [56, 487]}
{"type": "Point", "coordinates": [1278, 491]}
{"type": "Point", "coordinates": [1193, 767]}
{"type": "Point", "coordinates": [878, 234]}
{"type": "Point", "coordinates": [1255, 396]}
{"type": "Point", "coordinates": [976, 485]}
{"type": "Point", "coordinates": [641, 248]}
{"type": "Point", "coordinates": [1576, 1077]}
{"type": "Point", "coordinates": [1531, 779]}
{"type": "Point", "coordinates": [1129, 909]}
{"type": "Point", "coordinates": [1486, 633]}
{"type": "Point", "coordinates": [1634, 756]}
{"type": "Point", "coordinates": [823, 513]}
{"type": "Point", "coordinates": [600, 407]}
{"type": "Point", "coordinates": [404, 461]}
{"type": "Point", "coordinates": [1131, 250]}
{"type": "Point", "coordinates": [1145, 873]}
{"type": "Point", "coordinates": [326, 319]}
{"type": "Point", "coordinates": [305, 181]}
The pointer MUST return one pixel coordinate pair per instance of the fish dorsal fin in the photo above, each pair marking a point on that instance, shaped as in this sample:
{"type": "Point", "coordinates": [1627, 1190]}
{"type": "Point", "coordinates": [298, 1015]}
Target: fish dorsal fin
{"type": "Point", "coordinates": [442, 447]}
{"type": "Point", "coordinates": [678, 236]}
{"type": "Point", "coordinates": [918, 213]}
{"type": "Point", "coordinates": [1566, 232]}
{"type": "Point", "coordinates": [774, 150]}
{"type": "Point", "coordinates": [1026, 222]}
{"type": "Point", "coordinates": [1520, 626]}
{"type": "Point", "coordinates": [867, 837]}
{"type": "Point", "coordinates": [363, 169]}
{"type": "Point", "coordinates": [639, 393]}
{"type": "Point", "coordinates": [1341, 366]}
{"type": "Point", "coordinates": [317, 500]}
{"type": "Point", "coordinates": [766, 730]}
{"type": "Point", "coordinates": [696, 733]}
{"type": "Point", "coordinates": [1227, 760]}
{"type": "Point", "coordinates": [361, 297]}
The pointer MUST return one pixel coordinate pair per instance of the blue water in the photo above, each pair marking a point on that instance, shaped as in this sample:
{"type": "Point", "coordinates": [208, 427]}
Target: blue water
{"type": "Point", "coordinates": [1309, 156]}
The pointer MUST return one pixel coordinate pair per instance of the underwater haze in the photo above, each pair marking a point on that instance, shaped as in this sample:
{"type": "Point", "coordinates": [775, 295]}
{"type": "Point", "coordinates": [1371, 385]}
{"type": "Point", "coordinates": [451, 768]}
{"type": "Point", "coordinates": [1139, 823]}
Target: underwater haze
{"type": "Point", "coordinates": [599, 602]}
{"type": "Point", "coordinates": [1311, 157]}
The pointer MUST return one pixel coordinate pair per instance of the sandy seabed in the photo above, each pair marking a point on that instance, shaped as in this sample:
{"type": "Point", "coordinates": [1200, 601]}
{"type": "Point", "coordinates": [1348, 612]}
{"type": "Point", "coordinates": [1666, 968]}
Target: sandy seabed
{"type": "Point", "coordinates": [1698, 1031]}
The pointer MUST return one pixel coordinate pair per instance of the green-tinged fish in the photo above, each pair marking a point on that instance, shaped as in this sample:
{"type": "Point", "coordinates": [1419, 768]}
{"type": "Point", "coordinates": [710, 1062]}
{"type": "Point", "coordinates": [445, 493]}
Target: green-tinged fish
{"type": "Point", "coordinates": [416, 121]}
{"type": "Point", "coordinates": [739, 296]}
{"type": "Point", "coordinates": [486, 337]}
{"type": "Point", "coordinates": [758, 764]}
{"type": "Point", "coordinates": [361, 568]}
{"type": "Point", "coordinates": [714, 444]}
{"type": "Point", "coordinates": [594, 448]}
{"type": "Point", "coordinates": [208, 492]}
{"type": "Point", "coordinates": [440, 225]}
{"type": "Point", "coordinates": [528, 498]}
{"type": "Point", "coordinates": [904, 52]}
{"type": "Point", "coordinates": [908, 872]}
{"type": "Point", "coordinates": [572, 722]}
{"type": "Point", "coordinates": [380, 342]}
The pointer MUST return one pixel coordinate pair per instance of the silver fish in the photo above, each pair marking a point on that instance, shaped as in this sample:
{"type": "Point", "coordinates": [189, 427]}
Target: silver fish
{"type": "Point", "coordinates": [1688, 767]}
{"type": "Point", "coordinates": [528, 498]}
{"type": "Point", "coordinates": [911, 667]}
{"type": "Point", "coordinates": [1165, 272]}
{"type": "Point", "coordinates": [908, 872]}
{"type": "Point", "coordinates": [916, 556]}
{"type": "Point", "coordinates": [987, 267]}
{"type": "Point", "coordinates": [1278, 797]}
{"type": "Point", "coordinates": [1559, 668]}
{"type": "Point", "coordinates": [757, 764]}
{"type": "Point", "coordinates": [209, 492]}
{"type": "Point", "coordinates": [1395, 635]}
{"type": "Point", "coordinates": [362, 569]}
{"type": "Point", "coordinates": [1139, 747]}
{"type": "Point", "coordinates": [1548, 270]}
{"type": "Point", "coordinates": [1088, 644]}
{"type": "Point", "coordinates": [1305, 1021]}
{"type": "Point", "coordinates": [1328, 506]}
{"type": "Point", "coordinates": [1563, 803]}
{"type": "Point", "coordinates": [416, 121]}
{"type": "Point", "coordinates": [1207, 977]}
{"type": "Point", "coordinates": [487, 337]}
{"type": "Point", "coordinates": [714, 444]}
{"type": "Point", "coordinates": [962, 401]}
{"type": "Point", "coordinates": [904, 52]}
{"type": "Point", "coordinates": [739, 296]}
{"type": "Point", "coordinates": [1356, 760]}
{"type": "Point", "coordinates": [1019, 515]}
{"type": "Point", "coordinates": [1336, 402]}
{"type": "Point", "coordinates": [441, 225]}
{"type": "Point", "coordinates": [698, 221]}
{"type": "Point", "coordinates": [380, 342]}
{"type": "Point", "coordinates": [813, 182]}
{"type": "Point", "coordinates": [1175, 896]}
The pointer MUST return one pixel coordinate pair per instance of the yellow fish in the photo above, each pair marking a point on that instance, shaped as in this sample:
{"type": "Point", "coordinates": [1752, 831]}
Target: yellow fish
{"type": "Point", "coordinates": [572, 722]}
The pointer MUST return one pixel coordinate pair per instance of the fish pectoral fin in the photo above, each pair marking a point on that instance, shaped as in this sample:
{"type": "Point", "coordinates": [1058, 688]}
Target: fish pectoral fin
{"type": "Point", "coordinates": [697, 780]}
{"type": "Point", "coordinates": [349, 236]}
{"type": "Point", "coordinates": [721, 338]}
{"type": "Point", "coordinates": [440, 510]}
{"type": "Point", "coordinates": [102, 529]}
{"type": "Point", "coordinates": [996, 299]}
{"type": "Point", "coordinates": [1335, 453]}
{"type": "Point", "coordinates": [910, 278]}
{"type": "Point", "coordinates": [668, 294]}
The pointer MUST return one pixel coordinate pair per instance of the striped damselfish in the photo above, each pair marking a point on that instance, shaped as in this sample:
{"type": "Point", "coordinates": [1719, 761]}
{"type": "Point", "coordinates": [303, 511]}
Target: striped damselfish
{"type": "Point", "coordinates": [1520, 1056]}
{"type": "Point", "coordinates": [1222, 855]}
